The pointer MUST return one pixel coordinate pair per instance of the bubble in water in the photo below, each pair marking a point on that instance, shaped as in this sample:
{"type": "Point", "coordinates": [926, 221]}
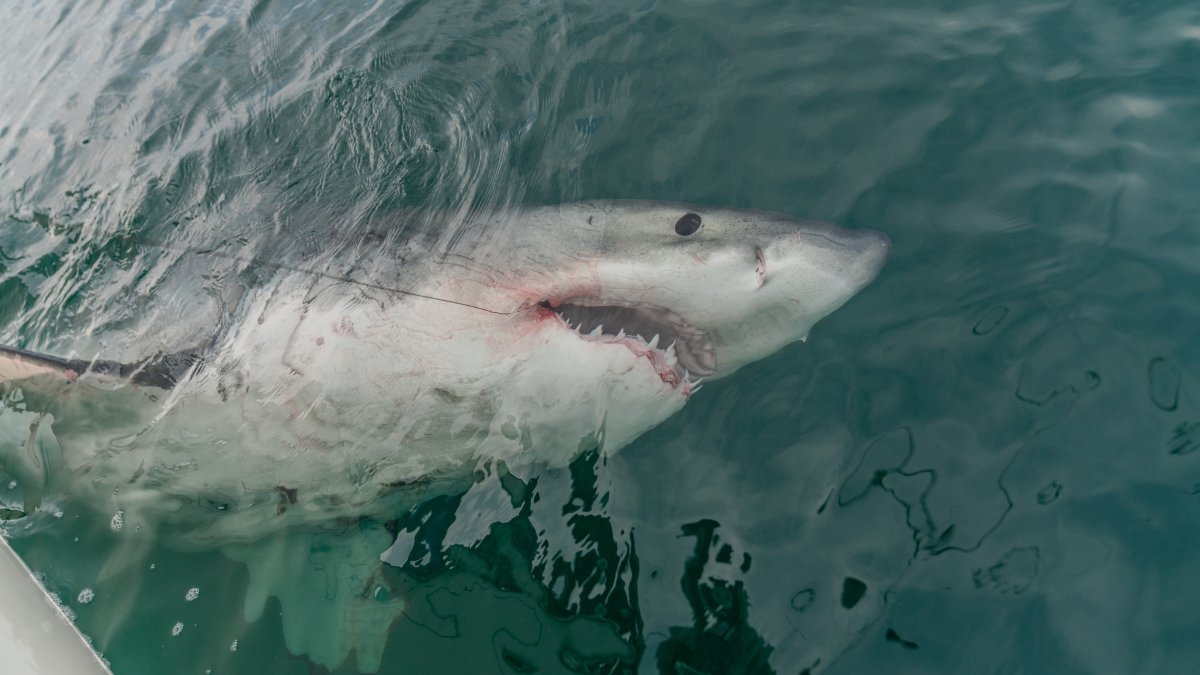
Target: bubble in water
{"type": "Point", "coordinates": [86, 596]}
{"type": "Point", "coordinates": [118, 521]}
{"type": "Point", "coordinates": [233, 647]}
{"type": "Point", "coordinates": [192, 594]}
{"type": "Point", "coordinates": [58, 513]}
{"type": "Point", "coordinates": [12, 485]}
{"type": "Point", "coordinates": [177, 628]}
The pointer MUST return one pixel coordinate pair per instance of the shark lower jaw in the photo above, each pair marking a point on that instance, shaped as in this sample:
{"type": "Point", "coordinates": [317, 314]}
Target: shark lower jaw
{"type": "Point", "coordinates": [681, 354]}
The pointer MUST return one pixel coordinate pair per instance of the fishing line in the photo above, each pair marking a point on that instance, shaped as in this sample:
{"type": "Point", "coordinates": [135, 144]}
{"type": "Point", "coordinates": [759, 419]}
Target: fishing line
{"type": "Point", "coordinates": [318, 273]}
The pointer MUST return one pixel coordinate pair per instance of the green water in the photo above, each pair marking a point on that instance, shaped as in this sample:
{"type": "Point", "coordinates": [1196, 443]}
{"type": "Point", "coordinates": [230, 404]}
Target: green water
{"type": "Point", "coordinates": [985, 463]}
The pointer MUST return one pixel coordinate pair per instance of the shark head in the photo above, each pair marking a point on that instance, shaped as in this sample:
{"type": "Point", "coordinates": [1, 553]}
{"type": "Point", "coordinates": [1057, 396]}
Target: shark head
{"type": "Point", "coordinates": [718, 287]}
{"type": "Point", "coordinates": [630, 304]}
{"type": "Point", "coordinates": [704, 291]}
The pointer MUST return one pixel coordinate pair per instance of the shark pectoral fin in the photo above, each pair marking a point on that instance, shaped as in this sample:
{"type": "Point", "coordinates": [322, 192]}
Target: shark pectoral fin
{"type": "Point", "coordinates": [162, 370]}
{"type": "Point", "coordinates": [74, 387]}
{"type": "Point", "coordinates": [336, 599]}
{"type": "Point", "coordinates": [52, 407]}
{"type": "Point", "coordinates": [18, 364]}
{"type": "Point", "coordinates": [39, 377]}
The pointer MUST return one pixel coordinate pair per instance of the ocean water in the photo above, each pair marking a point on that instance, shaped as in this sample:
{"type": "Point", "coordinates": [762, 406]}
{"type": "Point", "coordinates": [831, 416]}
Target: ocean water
{"type": "Point", "coordinates": [987, 462]}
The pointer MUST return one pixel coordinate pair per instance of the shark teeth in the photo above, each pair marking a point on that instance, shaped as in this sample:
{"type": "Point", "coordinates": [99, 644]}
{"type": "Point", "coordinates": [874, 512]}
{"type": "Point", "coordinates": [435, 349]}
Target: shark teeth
{"type": "Point", "coordinates": [687, 356]}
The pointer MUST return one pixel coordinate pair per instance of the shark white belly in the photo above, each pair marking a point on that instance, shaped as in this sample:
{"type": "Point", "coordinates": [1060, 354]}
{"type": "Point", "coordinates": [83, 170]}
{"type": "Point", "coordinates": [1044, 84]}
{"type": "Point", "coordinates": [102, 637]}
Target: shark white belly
{"type": "Point", "coordinates": [344, 394]}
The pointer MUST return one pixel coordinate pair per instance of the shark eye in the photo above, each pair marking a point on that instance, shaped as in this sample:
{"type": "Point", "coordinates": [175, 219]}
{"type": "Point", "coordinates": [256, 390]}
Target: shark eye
{"type": "Point", "coordinates": [688, 224]}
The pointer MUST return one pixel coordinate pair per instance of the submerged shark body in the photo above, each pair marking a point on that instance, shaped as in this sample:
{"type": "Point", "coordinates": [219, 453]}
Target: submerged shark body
{"type": "Point", "coordinates": [335, 394]}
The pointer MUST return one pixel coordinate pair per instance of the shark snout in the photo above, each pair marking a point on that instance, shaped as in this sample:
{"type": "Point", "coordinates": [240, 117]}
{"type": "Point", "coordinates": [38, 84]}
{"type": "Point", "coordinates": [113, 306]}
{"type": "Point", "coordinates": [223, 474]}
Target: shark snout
{"type": "Point", "coordinates": [866, 242]}
{"type": "Point", "coordinates": [824, 251]}
{"type": "Point", "coordinates": [858, 242]}
{"type": "Point", "coordinates": [868, 249]}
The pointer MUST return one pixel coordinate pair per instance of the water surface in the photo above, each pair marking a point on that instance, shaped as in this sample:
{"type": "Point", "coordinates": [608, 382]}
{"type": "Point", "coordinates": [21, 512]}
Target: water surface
{"type": "Point", "coordinates": [987, 462]}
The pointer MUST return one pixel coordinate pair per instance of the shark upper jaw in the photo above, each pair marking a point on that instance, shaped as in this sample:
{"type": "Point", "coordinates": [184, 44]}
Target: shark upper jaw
{"type": "Point", "coordinates": [680, 353]}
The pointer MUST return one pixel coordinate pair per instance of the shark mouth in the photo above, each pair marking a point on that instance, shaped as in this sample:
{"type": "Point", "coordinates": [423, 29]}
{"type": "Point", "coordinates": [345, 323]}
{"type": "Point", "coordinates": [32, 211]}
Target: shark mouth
{"type": "Point", "coordinates": [679, 352]}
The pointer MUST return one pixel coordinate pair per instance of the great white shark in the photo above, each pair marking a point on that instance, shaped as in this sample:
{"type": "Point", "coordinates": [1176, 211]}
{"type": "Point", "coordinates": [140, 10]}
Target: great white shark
{"type": "Point", "coordinates": [334, 393]}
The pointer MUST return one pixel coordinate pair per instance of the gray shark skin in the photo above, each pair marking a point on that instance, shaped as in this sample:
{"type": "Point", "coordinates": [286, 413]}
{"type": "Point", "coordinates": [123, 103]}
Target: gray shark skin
{"type": "Point", "coordinates": [343, 392]}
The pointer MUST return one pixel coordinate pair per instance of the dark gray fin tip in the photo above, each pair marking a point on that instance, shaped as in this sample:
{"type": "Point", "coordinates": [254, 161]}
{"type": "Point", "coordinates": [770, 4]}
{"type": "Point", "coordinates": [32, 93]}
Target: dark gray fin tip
{"type": "Point", "coordinates": [162, 370]}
